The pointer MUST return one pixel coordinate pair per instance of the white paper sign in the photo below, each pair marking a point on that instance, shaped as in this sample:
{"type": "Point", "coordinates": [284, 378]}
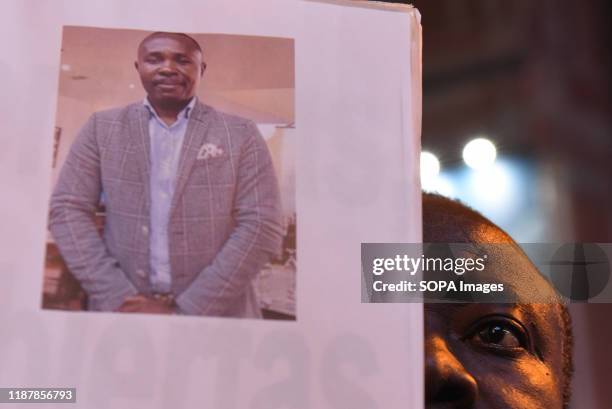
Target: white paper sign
{"type": "Point", "coordinates": [357, 142]}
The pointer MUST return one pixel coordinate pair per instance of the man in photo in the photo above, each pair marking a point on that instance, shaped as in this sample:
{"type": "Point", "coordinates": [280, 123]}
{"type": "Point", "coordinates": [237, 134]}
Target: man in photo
{"type": "Point", "coordinates": [494, 355]}
{"type": "Point", "coordinates": [191, 197]}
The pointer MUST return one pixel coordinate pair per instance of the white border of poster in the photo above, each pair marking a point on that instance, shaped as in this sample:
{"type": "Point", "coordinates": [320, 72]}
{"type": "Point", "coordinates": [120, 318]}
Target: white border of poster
{"type": "Point", "coordinates": [358, 142]}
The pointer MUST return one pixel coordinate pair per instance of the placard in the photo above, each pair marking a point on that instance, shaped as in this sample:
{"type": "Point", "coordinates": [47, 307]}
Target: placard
{"type": "Point", "coordinates": [357, 139]}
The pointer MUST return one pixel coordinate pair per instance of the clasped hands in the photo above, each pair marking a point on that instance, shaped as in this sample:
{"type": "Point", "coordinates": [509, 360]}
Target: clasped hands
{"type": "Point", "coordinates": [151, 305]}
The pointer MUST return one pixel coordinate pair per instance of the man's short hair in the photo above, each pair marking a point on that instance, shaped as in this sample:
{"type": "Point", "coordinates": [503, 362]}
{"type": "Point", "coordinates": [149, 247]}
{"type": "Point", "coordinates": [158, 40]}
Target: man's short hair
{"type": "Point", "coordinates": [439, 213]}
{"type": "Point", "coordinates": [166, 34]}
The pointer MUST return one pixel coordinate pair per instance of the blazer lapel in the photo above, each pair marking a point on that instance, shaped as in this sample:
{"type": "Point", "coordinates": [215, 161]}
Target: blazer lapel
{"type": "Point", "coordinates": [195, 135]}
{"type": "Point", "coordinates": [140, 141]}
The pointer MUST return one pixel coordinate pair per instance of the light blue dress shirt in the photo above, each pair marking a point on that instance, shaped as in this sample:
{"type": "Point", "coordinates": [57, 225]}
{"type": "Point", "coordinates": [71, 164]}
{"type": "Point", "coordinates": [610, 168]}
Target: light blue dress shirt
{"type": "Point", "coordinates": [166, 143]}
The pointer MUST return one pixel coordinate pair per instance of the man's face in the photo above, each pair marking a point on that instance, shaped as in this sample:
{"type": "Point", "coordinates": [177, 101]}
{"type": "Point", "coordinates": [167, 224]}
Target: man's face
{"type": "Point", "coordinates": [496, 355]}
{"type": "Point", "coordinates": [170, 68]}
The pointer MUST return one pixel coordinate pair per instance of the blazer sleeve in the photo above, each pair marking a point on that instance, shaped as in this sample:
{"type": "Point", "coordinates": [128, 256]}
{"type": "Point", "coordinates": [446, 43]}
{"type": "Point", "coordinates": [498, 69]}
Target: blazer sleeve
{"type": "Point", "coordinates": [71, 222]}
{"type": "Point", "coordinates": [257, 235]}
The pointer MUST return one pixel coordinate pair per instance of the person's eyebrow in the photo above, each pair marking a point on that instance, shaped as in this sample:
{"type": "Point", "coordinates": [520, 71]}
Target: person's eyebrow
{"type": "Point", "coordinates": [447, 308]}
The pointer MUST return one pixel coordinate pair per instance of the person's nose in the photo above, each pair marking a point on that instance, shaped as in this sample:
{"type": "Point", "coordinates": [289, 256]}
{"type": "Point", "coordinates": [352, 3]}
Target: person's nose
{"type": "Point", "coordinates": [447, 383]}
{"type": "Point", "coordinates": [168, 67]}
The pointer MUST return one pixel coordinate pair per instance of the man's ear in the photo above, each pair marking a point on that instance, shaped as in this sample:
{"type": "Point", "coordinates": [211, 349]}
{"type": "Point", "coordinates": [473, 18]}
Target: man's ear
{"type": "Point", "coordinates": [202, 68]}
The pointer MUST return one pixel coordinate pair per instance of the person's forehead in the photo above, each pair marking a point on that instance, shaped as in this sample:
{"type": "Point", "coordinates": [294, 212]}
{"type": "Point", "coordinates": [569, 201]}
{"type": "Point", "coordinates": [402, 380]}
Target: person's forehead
{"type": "Point", "coordinates": [533, 313]}
{"type": "Point", "coordinates": [168, 42]}
{"type": "Point", "coordinates": [505, 262]}
{"type": "Point", "coordinates": [522, 282]}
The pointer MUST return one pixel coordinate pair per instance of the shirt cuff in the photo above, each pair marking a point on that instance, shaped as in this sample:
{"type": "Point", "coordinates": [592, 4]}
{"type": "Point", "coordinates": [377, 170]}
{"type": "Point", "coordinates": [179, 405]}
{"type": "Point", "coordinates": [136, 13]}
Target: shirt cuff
{"type": "Point", "coordinates": [185, 307]}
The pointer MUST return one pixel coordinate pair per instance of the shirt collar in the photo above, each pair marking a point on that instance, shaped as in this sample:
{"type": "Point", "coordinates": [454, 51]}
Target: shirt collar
{"type": "Point", "coordinates": [184, 113]}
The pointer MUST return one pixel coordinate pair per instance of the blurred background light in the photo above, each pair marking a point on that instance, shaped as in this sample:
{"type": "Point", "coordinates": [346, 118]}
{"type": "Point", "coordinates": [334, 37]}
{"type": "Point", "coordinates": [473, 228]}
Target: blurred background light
{"type": "Point", "coordinates": [502, 192]}
{"type": "Point", "coordinates": [479, 153]}
{"type": "Point", "coordinates": [430, 167]}
{"type": "Point", "coordinates": [431, 178]}
{"type": "Point", "coordinates": [443, 185]}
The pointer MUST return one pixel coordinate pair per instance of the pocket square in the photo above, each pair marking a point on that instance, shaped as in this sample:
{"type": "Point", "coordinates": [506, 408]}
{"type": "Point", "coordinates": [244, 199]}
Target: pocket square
{"type": "Point", "coordinates": [209, 150]}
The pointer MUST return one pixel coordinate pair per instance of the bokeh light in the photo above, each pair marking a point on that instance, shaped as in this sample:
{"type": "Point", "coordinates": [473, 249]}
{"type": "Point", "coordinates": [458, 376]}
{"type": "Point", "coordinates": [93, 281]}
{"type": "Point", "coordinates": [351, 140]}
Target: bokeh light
{"type": "Point", "coordinates": [479, 153]}
{"type": "Point", "coordinates": [430, 168]}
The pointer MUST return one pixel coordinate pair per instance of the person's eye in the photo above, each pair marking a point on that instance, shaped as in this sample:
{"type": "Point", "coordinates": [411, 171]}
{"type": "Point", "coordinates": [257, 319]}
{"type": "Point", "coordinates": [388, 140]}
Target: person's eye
{"type": "Point", "coordinates": [503, 335]}
{"type": "Point", "coordinates": [184, 61]}
{"type": "Point", "coordinates": [500, 335]}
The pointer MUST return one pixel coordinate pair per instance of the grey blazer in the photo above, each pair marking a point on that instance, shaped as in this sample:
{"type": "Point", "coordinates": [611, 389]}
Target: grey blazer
{"type": "Point", "coordinates": [225, 220]}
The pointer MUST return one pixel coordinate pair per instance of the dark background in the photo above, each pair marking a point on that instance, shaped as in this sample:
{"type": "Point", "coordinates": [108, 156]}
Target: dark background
{"type": "Point", "coordinates": [534, 77]}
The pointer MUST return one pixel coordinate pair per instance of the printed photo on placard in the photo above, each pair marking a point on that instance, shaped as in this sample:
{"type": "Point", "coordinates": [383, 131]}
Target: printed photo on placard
{"type": "Point", "coordinates": [173, 181]}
